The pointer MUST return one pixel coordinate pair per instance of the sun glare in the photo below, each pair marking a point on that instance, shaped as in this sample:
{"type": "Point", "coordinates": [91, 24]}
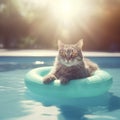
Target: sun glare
{"type": "Point", "coordinates": [68, 14]}
{"type": "Point", "coordinates": [66, 10]}
{"type": "Point", "coordinates": [63, 10]}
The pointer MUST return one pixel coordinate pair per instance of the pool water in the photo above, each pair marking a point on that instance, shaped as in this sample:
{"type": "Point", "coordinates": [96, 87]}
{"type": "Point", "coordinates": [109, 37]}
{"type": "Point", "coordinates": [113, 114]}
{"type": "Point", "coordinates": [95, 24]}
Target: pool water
{"type": "Point", "coordinates": [18, 103]}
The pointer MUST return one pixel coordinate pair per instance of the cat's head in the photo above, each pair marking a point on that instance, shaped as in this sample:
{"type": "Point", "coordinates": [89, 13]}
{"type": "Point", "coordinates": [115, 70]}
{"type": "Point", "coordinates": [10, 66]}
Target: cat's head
{"type": "Point", "coordinates": [70, 54]}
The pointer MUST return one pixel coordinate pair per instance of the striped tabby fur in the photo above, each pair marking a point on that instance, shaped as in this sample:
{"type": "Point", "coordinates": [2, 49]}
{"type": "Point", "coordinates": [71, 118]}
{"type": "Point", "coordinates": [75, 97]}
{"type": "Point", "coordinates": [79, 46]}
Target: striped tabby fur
{"type": "Point", "coordinates": [70, 64]}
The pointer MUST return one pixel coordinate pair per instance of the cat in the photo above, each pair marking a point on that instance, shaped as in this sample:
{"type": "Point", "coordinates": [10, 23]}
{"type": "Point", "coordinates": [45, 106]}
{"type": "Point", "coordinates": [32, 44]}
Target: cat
{"type": "Point", "coordinates": [70, 64]}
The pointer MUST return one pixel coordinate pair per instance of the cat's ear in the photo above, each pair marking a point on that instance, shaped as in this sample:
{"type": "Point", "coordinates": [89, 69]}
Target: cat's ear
{"type": "Point", "coordinates": [60, 44]}
{"type": "Point", "coordinates": [79, 44]}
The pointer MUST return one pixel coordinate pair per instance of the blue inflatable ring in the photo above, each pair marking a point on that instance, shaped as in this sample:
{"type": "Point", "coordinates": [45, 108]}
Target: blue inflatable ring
{"type": "Point", "coordinates": [95, 85]}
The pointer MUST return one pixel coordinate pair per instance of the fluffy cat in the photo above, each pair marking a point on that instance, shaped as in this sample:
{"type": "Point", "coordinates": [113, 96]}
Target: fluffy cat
{"type": "Point", "coordinates": [70, 64]}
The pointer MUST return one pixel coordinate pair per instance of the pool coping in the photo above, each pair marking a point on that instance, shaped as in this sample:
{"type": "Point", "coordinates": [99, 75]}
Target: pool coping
{"type": "Point", "coordinates": [47, 53]}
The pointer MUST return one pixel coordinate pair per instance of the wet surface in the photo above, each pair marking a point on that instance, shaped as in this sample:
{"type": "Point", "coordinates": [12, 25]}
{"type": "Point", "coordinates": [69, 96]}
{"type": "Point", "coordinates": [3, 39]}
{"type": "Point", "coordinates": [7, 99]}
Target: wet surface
{"type": "Point", "coordinates": [18, 103]}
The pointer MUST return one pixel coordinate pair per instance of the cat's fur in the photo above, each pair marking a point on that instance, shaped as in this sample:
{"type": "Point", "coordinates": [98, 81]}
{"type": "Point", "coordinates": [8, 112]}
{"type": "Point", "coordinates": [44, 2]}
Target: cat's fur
{"type": "Point", "coordinates": [70, 64]}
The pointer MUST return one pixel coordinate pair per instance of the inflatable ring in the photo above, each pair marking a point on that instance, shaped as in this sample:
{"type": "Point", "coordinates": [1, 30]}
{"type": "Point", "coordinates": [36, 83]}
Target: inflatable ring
{"type": "Point", "coordinates": [95, 85]}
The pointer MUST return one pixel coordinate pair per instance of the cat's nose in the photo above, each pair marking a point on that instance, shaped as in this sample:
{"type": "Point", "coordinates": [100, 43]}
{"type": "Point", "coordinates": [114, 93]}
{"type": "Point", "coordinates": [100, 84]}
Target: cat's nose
{"type": "Point", "coordinates": [67, 60]}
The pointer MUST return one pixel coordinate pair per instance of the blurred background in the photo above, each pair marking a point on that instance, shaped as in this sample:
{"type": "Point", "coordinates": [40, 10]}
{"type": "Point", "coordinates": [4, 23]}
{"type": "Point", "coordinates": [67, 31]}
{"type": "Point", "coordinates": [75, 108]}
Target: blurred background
{"type": "Point", "coordinates": [38, 24]}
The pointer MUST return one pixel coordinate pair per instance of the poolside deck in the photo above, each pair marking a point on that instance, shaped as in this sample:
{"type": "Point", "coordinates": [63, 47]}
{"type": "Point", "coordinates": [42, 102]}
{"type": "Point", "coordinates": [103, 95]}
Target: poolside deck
{"type": "Point", "coordinates": [4, 52]}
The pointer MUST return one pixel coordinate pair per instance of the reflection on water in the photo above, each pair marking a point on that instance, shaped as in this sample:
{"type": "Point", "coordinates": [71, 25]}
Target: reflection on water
{"type": "Point", "coordinates": [22, 63]}
{"type": "Point", "coordinates": [18, 103]}
{"type": "Point", "coordinates": [99, 107]}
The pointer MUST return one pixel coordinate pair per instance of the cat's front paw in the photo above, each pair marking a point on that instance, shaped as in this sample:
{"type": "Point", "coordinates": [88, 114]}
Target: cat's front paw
{"type": "Point", "coordinates": [48, 79]}
{"type": "Point", "coordinates": [64, 81]}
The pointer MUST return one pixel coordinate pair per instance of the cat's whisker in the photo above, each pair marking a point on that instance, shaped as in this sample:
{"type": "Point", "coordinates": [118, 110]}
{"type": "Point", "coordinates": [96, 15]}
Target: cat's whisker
{"type": "Point", "coordinates": [66, 60]}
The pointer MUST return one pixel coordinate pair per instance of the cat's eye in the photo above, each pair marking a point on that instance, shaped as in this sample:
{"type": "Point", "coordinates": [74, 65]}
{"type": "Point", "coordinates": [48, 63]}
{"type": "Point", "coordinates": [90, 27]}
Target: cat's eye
{"type": "Point", "coordinates": [62, 53]}
{"type": "Point", "coordinates": [74, 54]}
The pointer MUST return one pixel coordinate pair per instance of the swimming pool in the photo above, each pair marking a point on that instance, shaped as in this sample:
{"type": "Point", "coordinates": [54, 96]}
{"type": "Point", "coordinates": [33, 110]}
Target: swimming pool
{"type": "Point", "coordinates": [18, 103]}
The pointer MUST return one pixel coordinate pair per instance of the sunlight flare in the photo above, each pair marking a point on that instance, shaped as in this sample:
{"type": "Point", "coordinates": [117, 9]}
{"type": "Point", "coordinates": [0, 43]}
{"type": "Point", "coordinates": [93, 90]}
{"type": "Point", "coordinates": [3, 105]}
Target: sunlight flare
{"type": "Point", "coordinates": [67, 10]}
{"type": "Point", "coordinates": [68, 15]}
{"type": "Point", "coordinates": [62, 9]}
